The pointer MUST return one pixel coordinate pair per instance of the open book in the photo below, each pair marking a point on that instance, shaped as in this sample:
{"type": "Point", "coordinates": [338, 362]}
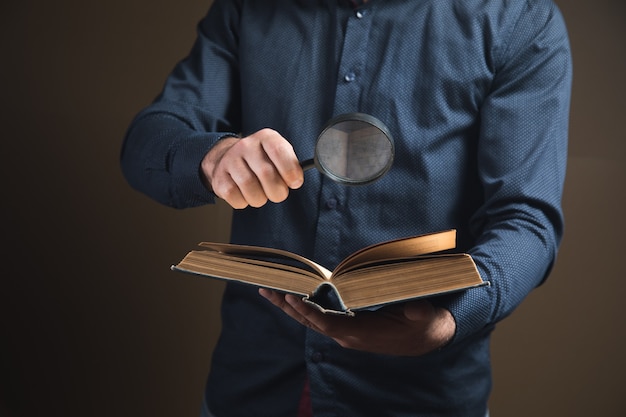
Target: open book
{"type": "Point", "coordinates": [377, 275]}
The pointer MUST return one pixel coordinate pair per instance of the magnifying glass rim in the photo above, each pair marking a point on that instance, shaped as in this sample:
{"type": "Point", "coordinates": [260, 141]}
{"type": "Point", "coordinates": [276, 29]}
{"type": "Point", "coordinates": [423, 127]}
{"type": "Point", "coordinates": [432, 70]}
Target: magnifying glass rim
{"type": "Point", "coordinates": [359, 117]}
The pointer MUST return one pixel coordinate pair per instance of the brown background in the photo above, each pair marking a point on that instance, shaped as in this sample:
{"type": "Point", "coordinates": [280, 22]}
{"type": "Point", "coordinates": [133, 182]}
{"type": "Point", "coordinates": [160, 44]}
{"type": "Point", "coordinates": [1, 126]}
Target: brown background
{"type": "Point", "coordinates": [94, 323]}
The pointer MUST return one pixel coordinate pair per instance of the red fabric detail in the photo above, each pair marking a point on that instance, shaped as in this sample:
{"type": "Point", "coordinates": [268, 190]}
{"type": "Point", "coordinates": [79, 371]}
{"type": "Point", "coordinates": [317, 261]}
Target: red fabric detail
{"type": "Point", "coordinates": [304, 408]}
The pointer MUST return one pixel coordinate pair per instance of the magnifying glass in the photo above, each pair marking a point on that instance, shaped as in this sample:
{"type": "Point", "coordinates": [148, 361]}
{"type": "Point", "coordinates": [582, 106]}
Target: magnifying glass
{"type": "Point", "coordinates": [353, 148]}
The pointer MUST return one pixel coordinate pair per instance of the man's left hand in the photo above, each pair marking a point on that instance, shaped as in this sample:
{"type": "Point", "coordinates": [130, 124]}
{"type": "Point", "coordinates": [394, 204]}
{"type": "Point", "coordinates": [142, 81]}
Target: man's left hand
{"type": "Point", "coordinates": [409, 329]}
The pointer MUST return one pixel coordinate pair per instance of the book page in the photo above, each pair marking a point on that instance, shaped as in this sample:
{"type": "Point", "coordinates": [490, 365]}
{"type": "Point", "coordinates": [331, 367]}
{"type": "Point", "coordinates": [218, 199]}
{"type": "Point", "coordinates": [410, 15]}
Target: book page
{"type": "Point", "coordinates": [409, 279]}
{"type": "Point", "coordinates": [399, 249]}
{"type": "Point", "coordinates": [260, 273]}
{"type": "Point", "coordinates": [245, 251]}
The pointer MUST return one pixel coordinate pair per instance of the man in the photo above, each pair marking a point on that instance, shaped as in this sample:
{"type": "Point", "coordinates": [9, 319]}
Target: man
{"type": "Point", "coordinates": [476, 95]}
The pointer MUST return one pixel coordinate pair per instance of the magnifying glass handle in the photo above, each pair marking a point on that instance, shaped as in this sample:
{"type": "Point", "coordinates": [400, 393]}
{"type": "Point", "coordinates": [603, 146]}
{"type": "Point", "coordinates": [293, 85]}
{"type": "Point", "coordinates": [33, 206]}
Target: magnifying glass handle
{"type": "Point", "coordinates": [308, 164]}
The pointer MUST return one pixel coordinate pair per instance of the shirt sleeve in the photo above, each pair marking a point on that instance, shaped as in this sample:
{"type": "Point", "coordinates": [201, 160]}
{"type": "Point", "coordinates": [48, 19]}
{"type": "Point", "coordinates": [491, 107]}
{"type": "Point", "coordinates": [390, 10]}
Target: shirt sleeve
{"type": "Point", "coordinates": [165, 143]}
{"type": "Point", "coordinates": [522, 154]}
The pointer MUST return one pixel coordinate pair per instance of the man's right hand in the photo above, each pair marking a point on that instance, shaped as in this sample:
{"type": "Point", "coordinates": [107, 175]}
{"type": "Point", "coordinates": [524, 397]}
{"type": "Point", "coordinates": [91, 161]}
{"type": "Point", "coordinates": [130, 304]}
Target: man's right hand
{"type": "Point", "coordinates": [253, 170]}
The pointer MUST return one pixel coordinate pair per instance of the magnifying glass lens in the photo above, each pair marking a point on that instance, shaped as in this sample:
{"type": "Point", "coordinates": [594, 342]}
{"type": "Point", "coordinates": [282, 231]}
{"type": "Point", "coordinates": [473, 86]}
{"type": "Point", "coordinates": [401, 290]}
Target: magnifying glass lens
{"type": "Point", "coordinates": [354, 149]}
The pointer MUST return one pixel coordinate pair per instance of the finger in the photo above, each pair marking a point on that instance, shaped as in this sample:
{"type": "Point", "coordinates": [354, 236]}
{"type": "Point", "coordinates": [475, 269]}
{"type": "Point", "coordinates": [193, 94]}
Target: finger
{"type": "Point", "coordinates": [438, 323]}
{"type": "Point", "coordinates": [273, 297]}
{"type": "Point", "coordinates": [420, 310]}
{"type": "Point", "coordinates": [279, 300]}
{"type": "Point", "coordinates": [214, 167]}
{"type": "Point", "coordinates": [240, 189]}
{"type": "Point", "coordinates": [283, 157]}
{"type": "Point", "coordinates": [236, 180]}
{"type": "Point", "coordinates": [257, 173]}
{"type": "Point", "coordinates": [225, 187]}
{"type": "Point", "coordinates": [311, 317]}
{"type": "Point", "coordinates": [274, 187]}
{"type": "Point", "coordinates": [249, 185]}
{"type": "Point", "coordinates": [230, 176]}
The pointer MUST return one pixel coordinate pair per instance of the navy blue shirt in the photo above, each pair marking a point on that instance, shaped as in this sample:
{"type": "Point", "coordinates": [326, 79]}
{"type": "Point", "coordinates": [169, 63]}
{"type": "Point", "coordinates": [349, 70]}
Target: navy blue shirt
{"type": "Point", "coordinates": [476, 95]}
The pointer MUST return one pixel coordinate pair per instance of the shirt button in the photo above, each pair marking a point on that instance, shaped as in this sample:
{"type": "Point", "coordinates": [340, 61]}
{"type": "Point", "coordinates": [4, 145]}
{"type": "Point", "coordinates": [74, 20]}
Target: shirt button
{"type": "Point", "coordinates": [331, 204]}
{"type": "Point", "coordinates": [349, 77]}
{"type": "Point", "coordinates": [317, 357]}
{"type": "Point", "coordinates": [360, 13]}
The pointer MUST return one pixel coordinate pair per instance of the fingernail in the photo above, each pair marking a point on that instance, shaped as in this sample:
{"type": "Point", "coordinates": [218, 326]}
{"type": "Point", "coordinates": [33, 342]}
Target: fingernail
{"type": "Point", "coordinates": [297, 183]}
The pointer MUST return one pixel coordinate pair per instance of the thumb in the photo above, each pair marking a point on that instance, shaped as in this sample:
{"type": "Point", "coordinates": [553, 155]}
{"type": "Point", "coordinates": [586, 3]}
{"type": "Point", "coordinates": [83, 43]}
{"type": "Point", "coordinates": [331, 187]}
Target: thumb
{"type": "Point", "coordinates": [420, 310]}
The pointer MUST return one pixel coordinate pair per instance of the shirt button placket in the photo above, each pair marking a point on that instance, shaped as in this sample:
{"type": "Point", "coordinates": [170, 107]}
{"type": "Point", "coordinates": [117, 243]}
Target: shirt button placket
{"type": "Point", "coordinates": [352, 62]}
{"type": "Point", "coordinates": [317, 357]}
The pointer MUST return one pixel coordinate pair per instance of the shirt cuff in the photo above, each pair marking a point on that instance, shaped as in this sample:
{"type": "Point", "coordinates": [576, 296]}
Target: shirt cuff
{"type": "Point", "coordinates": [186, 168]}
{"type": "Point", "coordinates": [472, 309]}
